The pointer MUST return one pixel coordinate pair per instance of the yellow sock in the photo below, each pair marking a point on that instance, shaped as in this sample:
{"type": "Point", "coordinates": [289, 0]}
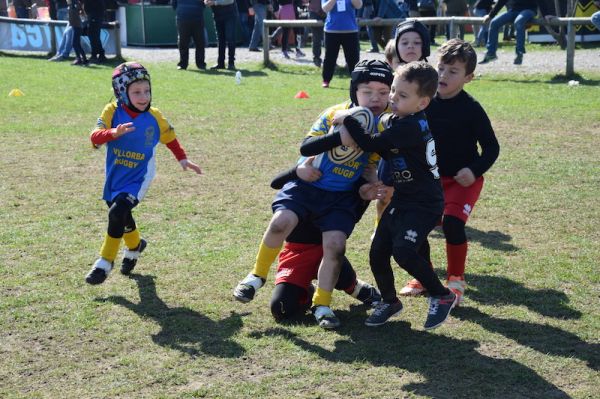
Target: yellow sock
{"type": "Point", "coordinates": [110, 248]}
{"type": "Point", "coordinates": [264, 259]}
{"type": "Point", "coordinates": [132, 239]}
{"type": "Point", "coordinates": [321, 297]}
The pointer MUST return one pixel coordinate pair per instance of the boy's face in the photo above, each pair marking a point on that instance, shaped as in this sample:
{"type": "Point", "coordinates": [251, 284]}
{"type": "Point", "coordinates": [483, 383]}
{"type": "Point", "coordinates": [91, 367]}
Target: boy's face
{"type": "Point", "coordinates": [373, 95]}
{"type": "Point", "coordinates": [452, 78]}
{"type": "Point", "coordinates": [139, 94]}
{"type": "Point", "coordinates": [410, 46]}
{"type": "Point", "coordinates": [404, 99]}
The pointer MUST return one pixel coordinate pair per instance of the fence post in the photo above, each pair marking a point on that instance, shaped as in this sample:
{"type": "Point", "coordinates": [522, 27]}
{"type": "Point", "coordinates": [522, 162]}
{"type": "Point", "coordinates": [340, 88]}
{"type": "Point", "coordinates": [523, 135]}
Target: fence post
{"type": "Point", "coordinates": [266, 44]}
{"type": "Point", "coordinates": [117, 39]}
{"type": "Point", "coordinates": [570, 48]}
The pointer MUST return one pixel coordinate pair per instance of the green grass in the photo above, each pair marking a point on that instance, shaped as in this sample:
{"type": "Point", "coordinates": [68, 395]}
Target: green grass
{"type": "Point", "coordinates": [529, 327]}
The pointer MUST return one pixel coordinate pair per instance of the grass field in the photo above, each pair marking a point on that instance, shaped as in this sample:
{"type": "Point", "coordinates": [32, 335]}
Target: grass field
{"type": "Point", "coordinates": [529, 327]}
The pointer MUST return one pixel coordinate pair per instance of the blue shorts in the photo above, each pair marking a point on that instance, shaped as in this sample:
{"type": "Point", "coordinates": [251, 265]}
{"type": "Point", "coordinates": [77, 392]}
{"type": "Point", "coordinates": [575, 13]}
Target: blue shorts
{"type": "Point", "coordinates": [328, 210]}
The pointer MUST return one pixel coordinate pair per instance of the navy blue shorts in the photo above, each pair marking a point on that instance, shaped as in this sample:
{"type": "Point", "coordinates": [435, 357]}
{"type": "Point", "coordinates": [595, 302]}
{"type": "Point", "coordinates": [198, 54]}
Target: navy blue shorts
{"type": "Point", "coordinates": [328, 210]}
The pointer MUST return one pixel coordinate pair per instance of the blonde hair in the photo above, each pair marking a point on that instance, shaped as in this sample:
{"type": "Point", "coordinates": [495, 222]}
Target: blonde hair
{"type": "Point", "coordinates": [391, 56]}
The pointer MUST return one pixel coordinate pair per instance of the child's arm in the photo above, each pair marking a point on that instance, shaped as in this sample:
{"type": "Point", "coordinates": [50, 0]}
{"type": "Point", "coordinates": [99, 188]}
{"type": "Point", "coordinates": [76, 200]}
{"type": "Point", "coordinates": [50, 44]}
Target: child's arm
{"type": "Point", "coordinates": [180, 155]}
{"type": "Point", "coordinates": [103, 136]}
{"type": "Point", "coordinates": [486, 138]}
{"type": "Point", "coordinates": [315, 145]}
{"type": "Point", "coordinates": [304, 171]}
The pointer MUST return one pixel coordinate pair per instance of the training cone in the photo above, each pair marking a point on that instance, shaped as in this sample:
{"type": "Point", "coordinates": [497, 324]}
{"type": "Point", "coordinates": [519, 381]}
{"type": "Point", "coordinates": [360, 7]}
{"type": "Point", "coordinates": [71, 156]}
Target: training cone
{"type": "Point", "coordinates": [16, 93]}
{"type": "Point", "coordinates": [301, 94]}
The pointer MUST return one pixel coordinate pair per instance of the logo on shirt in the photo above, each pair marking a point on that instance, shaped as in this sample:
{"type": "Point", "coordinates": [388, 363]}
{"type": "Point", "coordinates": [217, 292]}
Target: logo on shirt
{"type": "Point", "coordinates": [411, 236]}
{"type": "Point", "coordinates": [149, 133]}
{"type": "Point", "coordinates": [467, 209]}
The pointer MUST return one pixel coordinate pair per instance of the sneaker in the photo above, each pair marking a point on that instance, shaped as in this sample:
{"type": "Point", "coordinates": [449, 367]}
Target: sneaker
{"type": "Point", "coordinates": [246, 289]}
{"type": "Point", "coordinates": [130, 257]}
{"type": "Point", "coordinates": [413, 288]}
{"type": "Point", "coordinates": [325, 84]}
{"type": "Point", "coordinates": [218, 66]}
{"type": "Point", "coordinates": [231, 66]}
{"type": "Point", "coordinates": [254, 49]}
{"type": "Point", "coordinates": [78, 62]}
{"type": "Point", "coordinates": [181, 68]}
{"type": "Point", "coordinates": [317, 61]}
{"type": "Point", "coordinates": [325, 317]}
{"type": "Point", "coordinates": [458, 285]}
{"type": "Point", "coordinates": [300, 53]}
{"type": "Point", "coordinates": [285, 54]}
{"type": "Point", "coordinates": [383, 312]}
{"type": "Point", "coordinates": [99, 272]}
{"type": "Point", "coordinates": [488, 58]}
{"type": "Point", "coordinates": [57, 58]}
{"type": "Point", "coordinates": [366, 293]}
{"type": "Point", "coordinates": [518, 59]}
{"type": "Point", "coordinates": [373, 51]}
{"type": "Point", "coordinates": [439, 309]}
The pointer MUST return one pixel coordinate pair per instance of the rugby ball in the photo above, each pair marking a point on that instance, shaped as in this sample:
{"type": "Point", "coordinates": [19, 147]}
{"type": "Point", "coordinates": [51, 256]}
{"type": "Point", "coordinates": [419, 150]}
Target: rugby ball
{"type": "Point", "coordinates": [343, 154]}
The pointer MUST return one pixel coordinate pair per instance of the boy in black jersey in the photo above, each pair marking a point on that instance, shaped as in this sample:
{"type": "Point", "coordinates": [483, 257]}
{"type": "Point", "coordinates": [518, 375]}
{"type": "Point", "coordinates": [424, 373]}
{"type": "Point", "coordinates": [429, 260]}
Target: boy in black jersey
{"type": "Point", "coordinates": [459, 126]}
{"type": "Point", "coordinates": [417, 204]}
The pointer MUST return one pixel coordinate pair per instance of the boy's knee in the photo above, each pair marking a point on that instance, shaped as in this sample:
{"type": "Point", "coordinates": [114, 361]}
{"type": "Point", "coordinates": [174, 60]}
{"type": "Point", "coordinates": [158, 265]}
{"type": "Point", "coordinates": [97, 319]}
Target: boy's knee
{"type": "Point", "coordinates": [117, 213]}
{"type": "Point", "coordinates": [454, 230]}
{"type": "Point", "coordinates": [335, 247]}
{"type": "Point", "coordinates": [403, 255]}
{"type": "Point", "coordinates": [281, 223]}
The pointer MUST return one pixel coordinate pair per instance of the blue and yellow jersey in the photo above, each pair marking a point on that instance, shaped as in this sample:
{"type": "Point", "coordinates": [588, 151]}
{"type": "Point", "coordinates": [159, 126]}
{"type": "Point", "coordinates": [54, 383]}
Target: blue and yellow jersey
{"type": "Point", "coordinates": [130, 159]}
{"type": "Point", "coordinates": [341, 166]}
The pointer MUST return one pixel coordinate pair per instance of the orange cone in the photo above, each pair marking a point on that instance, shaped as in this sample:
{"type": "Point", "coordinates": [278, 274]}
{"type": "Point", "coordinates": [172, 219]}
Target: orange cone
{"type": "Point", "coordinates": [301, 94]}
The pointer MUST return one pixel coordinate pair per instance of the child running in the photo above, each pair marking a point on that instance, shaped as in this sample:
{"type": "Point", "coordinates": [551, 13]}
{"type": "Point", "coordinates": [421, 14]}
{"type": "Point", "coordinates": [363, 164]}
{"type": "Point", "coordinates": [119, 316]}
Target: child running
{"type": "Point", "coordinates": [131, 129]}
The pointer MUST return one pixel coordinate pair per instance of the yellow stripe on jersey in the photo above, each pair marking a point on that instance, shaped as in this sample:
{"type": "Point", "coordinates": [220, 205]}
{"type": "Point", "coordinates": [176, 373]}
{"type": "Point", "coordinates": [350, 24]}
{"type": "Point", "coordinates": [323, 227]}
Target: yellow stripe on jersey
{"type": "Point", "coordinates": [167, 132]}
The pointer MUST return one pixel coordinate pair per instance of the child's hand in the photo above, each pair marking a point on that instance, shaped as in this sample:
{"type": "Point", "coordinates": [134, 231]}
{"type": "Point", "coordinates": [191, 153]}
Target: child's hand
{"type": "Point", "coordinates": [122, 129]}
{"type": "Point", "coordinates": [307, 172]}
{"type": "Point", "coordinates": [185, 164]}
{"type": "Point", "coordinates": [373, 191]}
{"type": "Point", "coordinates": [339, 116]}
{"type": "Point", "coordinates": [465, 177]}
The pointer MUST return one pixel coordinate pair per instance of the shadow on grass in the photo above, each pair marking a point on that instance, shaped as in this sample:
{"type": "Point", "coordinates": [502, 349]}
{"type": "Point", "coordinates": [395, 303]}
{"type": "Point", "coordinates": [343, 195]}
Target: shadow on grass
{"type": "Point", "coordinates": [448, 366]}
{"type": "Point", "coordinates": [183, 329]}
{"type": "Point", "coordinates": [542, 338]}
{"type": "Point", "coordinates": [492, 239]}
{"type": "Point", "coordinates": [497, 291]}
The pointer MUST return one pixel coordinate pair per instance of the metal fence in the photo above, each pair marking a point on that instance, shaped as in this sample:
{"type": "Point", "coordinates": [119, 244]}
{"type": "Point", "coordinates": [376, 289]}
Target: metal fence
{"type": "Point", "coordinates": [453, 22]}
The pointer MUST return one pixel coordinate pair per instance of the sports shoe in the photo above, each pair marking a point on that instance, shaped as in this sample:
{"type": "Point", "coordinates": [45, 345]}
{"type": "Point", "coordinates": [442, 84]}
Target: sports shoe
{"type": "Point", "coordinates": [317, 61]}
{"type": "Point", "coordinates": [285, 54]}
{"type": "Point", "coordinates": [439, 309]}
{"type": "Point", "coordinates": [383, 312]}
{"type": "Point", "coordinates": [130, 257]}
{"type": "Point", "coordinates": [231, 66]}
{"type": "Point", "coordinates": [488, 58]}
{"type": "Point", "coordinates": [246, 289]}
{"type": "Point", "coordinates": [325, 84]}
{"type": "Point", "coordinates": [254, 49]}
{"type": "Point", "coordinates": [300, 53]}
{"type": "Point", "coordinates": [458, 285]}
{"type": "Point", "coordinates": [99, 272]}
{"type": "Point", "coordinates": [518, 59]}
{"type": "Point", "coordinates": [413, 288]}
{"type": "Point", "coordinates": [366, 293]}
{"type": "Point", "coordinates": [57, 58]}
{"type": "Point", "coordinates": [217, 66]}
{"type": "Point", "coordinates": [325, 317]}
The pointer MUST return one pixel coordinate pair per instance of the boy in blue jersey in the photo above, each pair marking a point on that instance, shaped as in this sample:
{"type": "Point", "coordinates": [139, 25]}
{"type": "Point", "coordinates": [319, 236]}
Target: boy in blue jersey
{"type": "Point", "coordinates": [408, 147]}
{"type": "Point", "coordinates": [131, 129]}
{"type": "Point", "coordinates": [330, 201]}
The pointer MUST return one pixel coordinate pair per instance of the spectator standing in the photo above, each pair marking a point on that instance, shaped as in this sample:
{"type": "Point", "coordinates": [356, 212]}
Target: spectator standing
{"type": "Point", "coordinates": [260, 8]}
{"type": "Point", "coordinates": [368, 12]}
{"type": "Point", "coordinates": [94, 9]}
{"type": "Point", "coordinates": [3, 8]}
{"type": "Point", "coordinates": [341, 29]}
{"type": "Point", "coordinates": [428, 8]}
{"type": "Point", "coordinates": [520, 12]}
{"type": "Point", "coordinates": [66, 41]}
{"type": "Point", "coordinates": [189, 16]}
{"type": "Point", "coordinates": [243, 17]}
{"type": "Point", "coordinates": [225, 16]}
{"type": "Point", "coordinates": [481, 9]}
{"type": "Point", "coordinates": [389, 9]}
{"type": "Point", "coordinates": [62, 9]}
{"type": "Point", "coordinates": [286, 11]}
{"type": "Point", "coordinates": [316, 12]}
{"type": "Point", "coordinates": [75, 11]}
{"type": "Point", "coordinates": [456, 8]}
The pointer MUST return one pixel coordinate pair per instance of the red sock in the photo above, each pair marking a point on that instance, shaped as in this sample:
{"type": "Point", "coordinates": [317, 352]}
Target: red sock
{"type": "Point", "coordinates": [457, 257]}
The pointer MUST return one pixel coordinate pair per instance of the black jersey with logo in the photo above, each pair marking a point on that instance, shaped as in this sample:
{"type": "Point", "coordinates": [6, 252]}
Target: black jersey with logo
{"type": "Point", "coordinates": [409, 150]}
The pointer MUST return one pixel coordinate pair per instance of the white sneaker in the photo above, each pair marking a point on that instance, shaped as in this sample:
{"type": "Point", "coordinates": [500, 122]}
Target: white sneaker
{"type": "Point", "coordinates": [325, 317]}
{"type": "Point", "coordinates": [246, 289]}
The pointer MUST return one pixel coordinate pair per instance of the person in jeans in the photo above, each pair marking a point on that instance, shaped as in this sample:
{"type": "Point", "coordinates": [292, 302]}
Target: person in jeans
{"type": "Point", "coordinates": [94, 10]}
{"type": "Point", "coordinates": [341, 29]}
{"type": "Point", "coordinates": [75, 11]}
{"type": "Point", "coordinates": [519, 12]}
{"type": "Point", "coordinates": [316, 12]}
{"type": "Point", "coordinates": [481, 9]}
{"type": "Point", "coordinates": [225, 16]}
{"type": "Point", "coordinates": [367, 12]}
{"type": "Point", "coordinates": [190, 24]}
{"type": "Point", "coordinates": [260, 13]}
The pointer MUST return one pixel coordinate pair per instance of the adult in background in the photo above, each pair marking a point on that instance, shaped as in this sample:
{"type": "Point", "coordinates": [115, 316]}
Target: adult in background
{"type": "Point", "coordinates": [428, 8]}
{"type": "Point", "coordinates": [368, 12]}
{"type": "Point", "coordinates": [341, 29]}
{"type": "Point", "coordinates": [519, 12]}
{"type": "Point", "coordinates": [22, 8]}
{"type": "Point", "coordinates": [94, 10]}
{"type": "Point", "coordinates": [225, 16]}
{"type": "Point", "coordinates": [243, 18]}
{"type": "Point", "coordinates": [260, 8]}
{"type": "Point", "coordinates": [481, 9]}
{"type": "Point", "coordinates": [189, 15]}
{"type": "Point", "coordinates": [66, 41]}
{"type": "Point", "coordinates": [455, 8]}
{"type": "Point", "coordinates": [61, 8]}
{"type": "Point", "coordinates": [315, 11]}
{"type": "Point", "coordinates": [389, 9]}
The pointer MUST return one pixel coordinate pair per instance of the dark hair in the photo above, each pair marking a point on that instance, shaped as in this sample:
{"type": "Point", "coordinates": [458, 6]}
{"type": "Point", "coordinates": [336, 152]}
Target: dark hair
{"type": "Point", "coordinates": [423, 74]}
{"type": "Point", "coordinates": [414, 26]}
{"type": "Point", "coordinates": [457, 49]}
